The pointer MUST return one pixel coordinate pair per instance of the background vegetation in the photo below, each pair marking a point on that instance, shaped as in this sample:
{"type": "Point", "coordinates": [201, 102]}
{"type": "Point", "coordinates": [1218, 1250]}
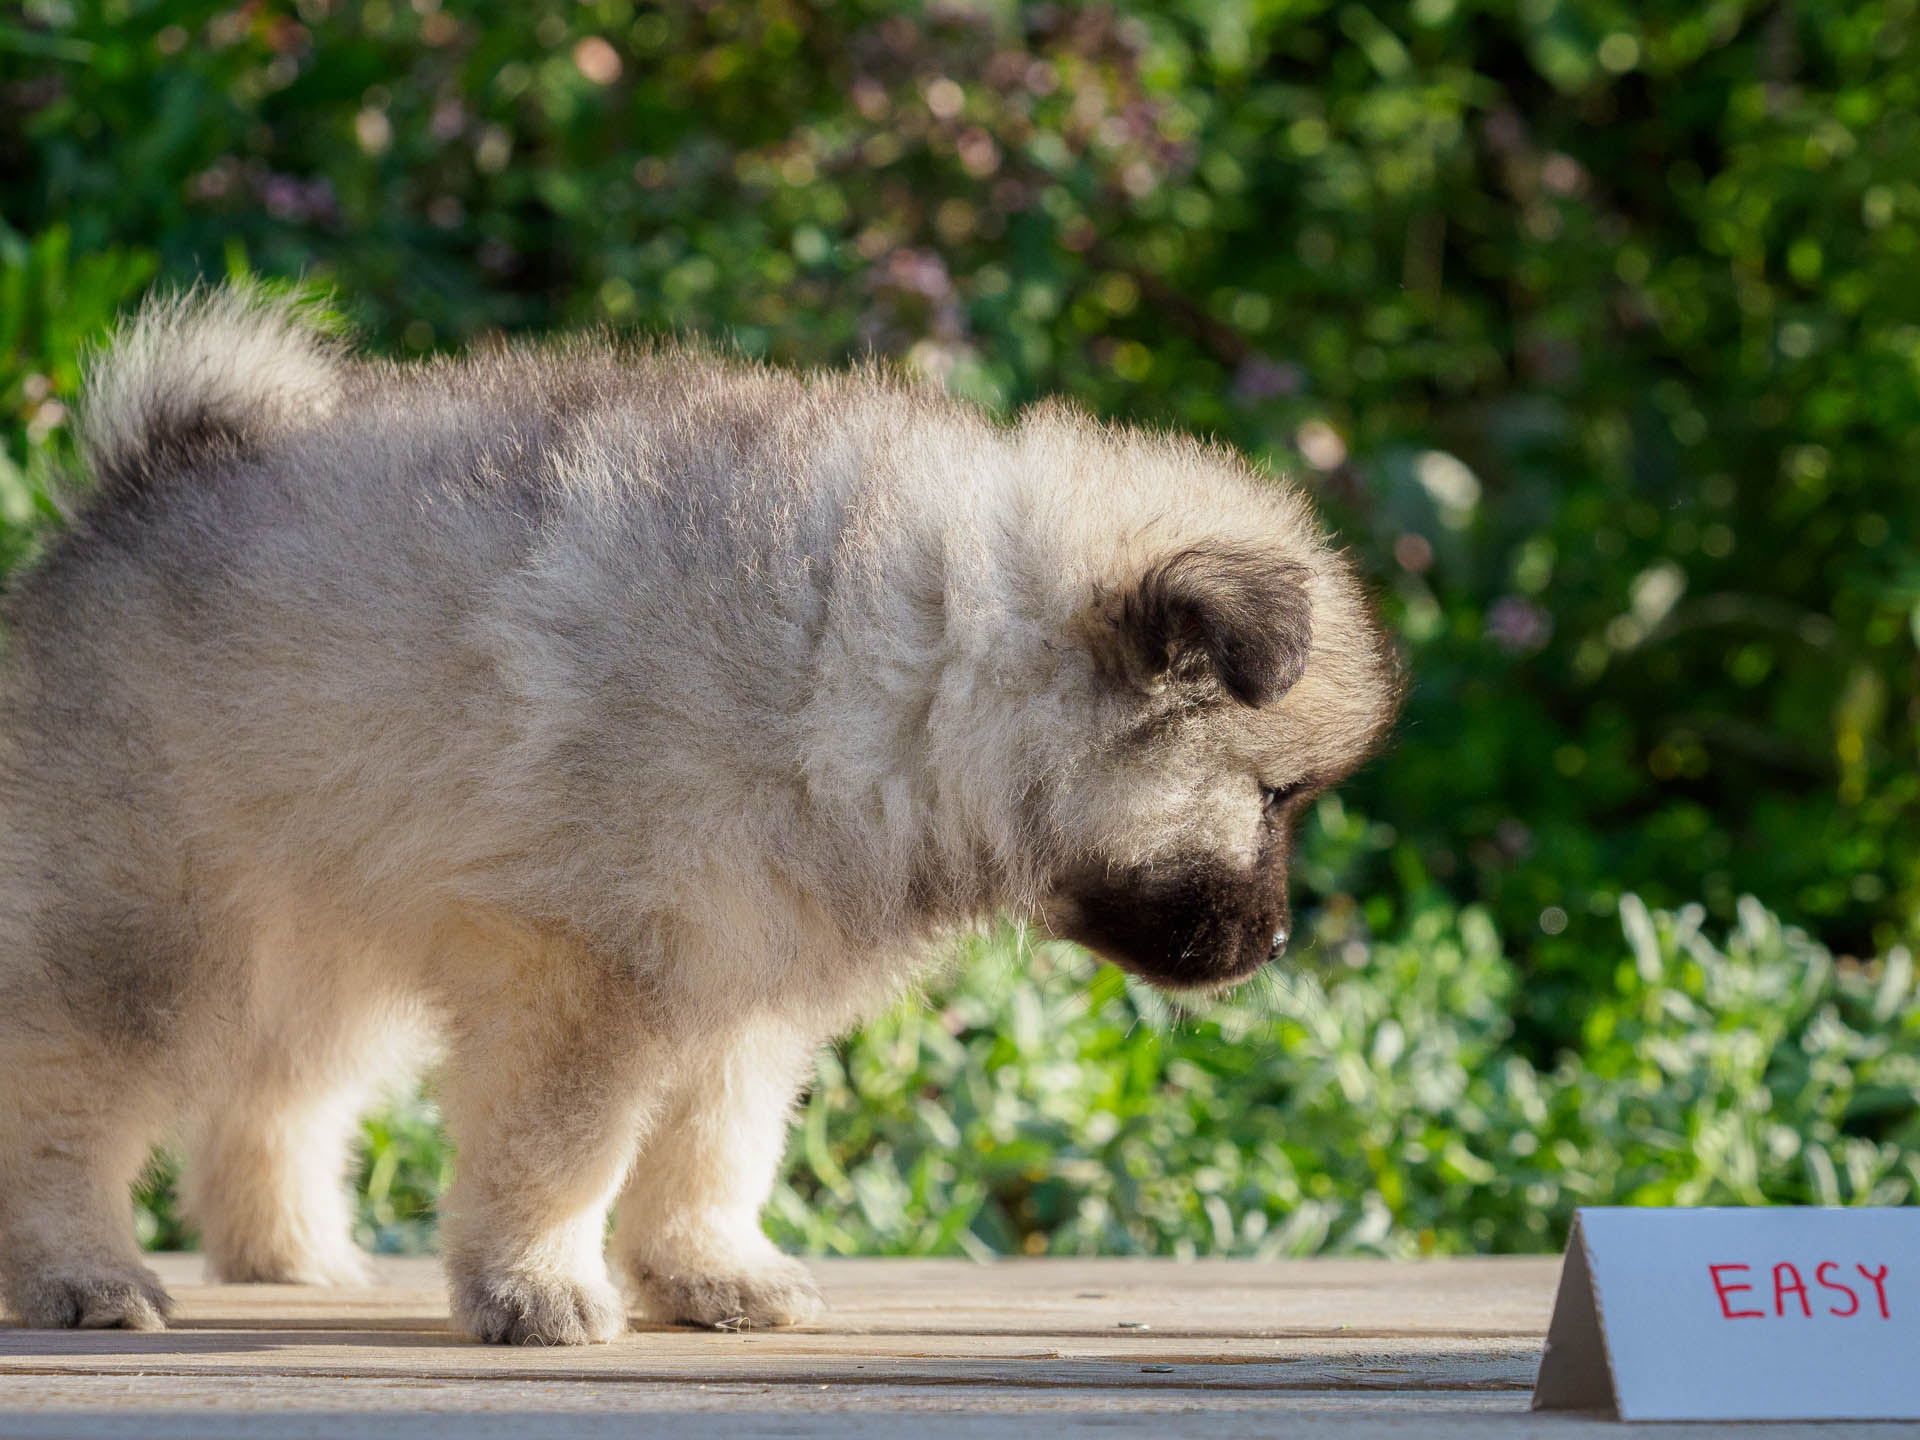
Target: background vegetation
{"type": "Point", "coordinates": [1594, 328]}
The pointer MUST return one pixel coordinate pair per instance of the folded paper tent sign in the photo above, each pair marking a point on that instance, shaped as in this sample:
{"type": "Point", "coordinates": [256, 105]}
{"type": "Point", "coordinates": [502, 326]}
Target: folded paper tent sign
{"type": "Point", "coordinates": [1724, 1314]}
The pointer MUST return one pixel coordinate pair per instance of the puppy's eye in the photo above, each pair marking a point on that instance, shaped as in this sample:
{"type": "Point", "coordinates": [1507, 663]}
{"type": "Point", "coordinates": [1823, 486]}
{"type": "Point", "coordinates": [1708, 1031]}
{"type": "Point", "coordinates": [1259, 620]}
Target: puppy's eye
{"type": "Point", "coordinates": [1278, 797]}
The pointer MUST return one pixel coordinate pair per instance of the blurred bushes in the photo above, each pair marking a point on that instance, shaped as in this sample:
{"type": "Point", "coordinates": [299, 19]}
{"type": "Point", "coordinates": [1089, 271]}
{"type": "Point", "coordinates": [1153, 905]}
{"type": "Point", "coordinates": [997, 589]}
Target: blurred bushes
{"type": "Point", "coordinates": [1379, 1109]}
{"type": "Point", "coordinates": [1593, 328]}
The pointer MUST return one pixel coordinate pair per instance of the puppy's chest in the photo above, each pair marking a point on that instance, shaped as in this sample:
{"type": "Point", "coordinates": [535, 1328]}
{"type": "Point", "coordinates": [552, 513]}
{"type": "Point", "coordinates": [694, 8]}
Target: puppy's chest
{"type": "Point", "coordinates": [822, 990]}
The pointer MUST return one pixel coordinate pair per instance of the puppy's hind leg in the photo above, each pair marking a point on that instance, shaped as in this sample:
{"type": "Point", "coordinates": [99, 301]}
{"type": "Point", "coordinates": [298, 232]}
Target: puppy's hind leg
{"type": "Point", "coordinates": [687, 1229]}
{"type": "Point", "coordinates": [266, 1172]}
{"type": "Point", "coordinates": [75, 1127]}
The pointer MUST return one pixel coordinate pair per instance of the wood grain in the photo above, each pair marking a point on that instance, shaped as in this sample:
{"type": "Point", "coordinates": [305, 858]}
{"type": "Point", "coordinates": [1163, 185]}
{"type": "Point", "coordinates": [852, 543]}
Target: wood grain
{"type": "Point", "coordinates": [1347, 1347]}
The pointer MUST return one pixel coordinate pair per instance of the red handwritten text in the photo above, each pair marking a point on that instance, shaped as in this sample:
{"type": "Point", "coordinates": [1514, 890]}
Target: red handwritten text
{"type": "Point", "coordinates": [1791, 1295]}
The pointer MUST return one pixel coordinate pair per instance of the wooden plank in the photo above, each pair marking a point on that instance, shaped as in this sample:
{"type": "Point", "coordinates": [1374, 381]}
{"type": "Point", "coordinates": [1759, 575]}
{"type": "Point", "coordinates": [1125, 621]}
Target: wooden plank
{"type": "Point", "coordinates": [290, 1408]}
{"type": "Point", "coordinates": [1344, 1325]}
{"type": "Point", "coordinates": [1467, 1299]}
{"type": "Point", "coordinates": [762, 1360]}
{"type": "Point", "coordinates": [1353, 1348]}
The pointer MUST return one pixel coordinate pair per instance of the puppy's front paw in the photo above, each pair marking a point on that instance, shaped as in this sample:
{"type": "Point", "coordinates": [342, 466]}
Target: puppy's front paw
{"type": "Point", "coordinates": [108, 1297]}
{"type": "Point", "coordinates": [772, 1292]}
{"type": "Point", "coordinates": [519, 1309]}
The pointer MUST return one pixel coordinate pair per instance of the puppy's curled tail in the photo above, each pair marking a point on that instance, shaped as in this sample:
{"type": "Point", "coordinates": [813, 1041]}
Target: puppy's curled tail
{"type": "Point", "coordinates": [206, 374]}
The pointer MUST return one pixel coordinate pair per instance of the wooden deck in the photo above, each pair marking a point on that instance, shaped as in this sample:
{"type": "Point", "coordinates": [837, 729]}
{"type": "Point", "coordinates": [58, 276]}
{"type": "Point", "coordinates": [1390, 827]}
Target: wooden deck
{"type": "Point", "coordinates": [1057, 1347]}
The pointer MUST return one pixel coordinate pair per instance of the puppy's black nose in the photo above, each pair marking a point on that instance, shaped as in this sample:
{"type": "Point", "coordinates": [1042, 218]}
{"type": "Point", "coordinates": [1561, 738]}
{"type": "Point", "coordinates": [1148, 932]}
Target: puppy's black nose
{"type": "Point", "coordinates": [1279, 944]}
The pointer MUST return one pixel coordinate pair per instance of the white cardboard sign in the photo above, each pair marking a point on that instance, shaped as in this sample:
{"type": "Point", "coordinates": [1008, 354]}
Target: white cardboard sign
{"type": "Point", "coordinates": [1763, 1314]}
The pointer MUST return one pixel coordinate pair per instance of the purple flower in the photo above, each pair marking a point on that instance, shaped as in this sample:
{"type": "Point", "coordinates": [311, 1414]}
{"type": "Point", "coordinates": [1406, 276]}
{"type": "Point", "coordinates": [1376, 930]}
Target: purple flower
{"type": "Point", "coordinates": [1262, 379]}
{"type": "Point", "coordinates": [1518, 625]}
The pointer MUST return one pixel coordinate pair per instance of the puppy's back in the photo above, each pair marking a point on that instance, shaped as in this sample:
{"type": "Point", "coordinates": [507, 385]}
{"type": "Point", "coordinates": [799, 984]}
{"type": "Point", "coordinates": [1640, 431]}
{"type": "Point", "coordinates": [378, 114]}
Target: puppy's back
{"type": "Point", "coordinates": [336, 621]}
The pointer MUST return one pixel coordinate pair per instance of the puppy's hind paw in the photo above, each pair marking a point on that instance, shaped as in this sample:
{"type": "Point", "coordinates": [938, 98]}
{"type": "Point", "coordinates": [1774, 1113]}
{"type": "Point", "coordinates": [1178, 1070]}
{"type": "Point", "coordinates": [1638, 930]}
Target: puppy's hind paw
{"type": "Point", "coordinates": [116, 1298]}
{"type": "Point", "coordinates": [519, 1309]}
{"type": "Point", "coordinates": [776, 1293]}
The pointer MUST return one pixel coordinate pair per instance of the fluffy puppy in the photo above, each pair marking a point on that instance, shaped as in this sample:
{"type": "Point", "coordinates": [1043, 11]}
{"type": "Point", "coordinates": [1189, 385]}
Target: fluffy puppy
{"type": "Point", "coordinates": [626, 722]}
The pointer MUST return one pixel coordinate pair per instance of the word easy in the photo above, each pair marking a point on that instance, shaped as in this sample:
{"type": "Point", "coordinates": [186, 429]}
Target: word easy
{"type": "Point", "coordinates": [1758, 1292]}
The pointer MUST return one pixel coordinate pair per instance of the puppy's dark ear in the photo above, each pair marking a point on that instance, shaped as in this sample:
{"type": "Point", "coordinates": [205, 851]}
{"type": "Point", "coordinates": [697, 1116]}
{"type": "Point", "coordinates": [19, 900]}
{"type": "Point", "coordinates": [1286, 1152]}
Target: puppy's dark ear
{"type": "Point", "coordinates": [1232, 617]}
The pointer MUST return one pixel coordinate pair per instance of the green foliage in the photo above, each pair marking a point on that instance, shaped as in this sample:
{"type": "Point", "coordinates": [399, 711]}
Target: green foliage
{"type": "Point", "coordinates": [1380, 1108]}
{"type": "Point", "coordinates": [1593, 328]}
{"type": "Point", "coordinates": [52, 305]}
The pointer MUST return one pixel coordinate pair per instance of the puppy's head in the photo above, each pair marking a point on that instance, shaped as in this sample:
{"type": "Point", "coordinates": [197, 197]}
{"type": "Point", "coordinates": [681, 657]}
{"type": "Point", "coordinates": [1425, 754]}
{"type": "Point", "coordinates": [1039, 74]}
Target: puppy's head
{"type": "Point", "coordinates": [1237, 674]}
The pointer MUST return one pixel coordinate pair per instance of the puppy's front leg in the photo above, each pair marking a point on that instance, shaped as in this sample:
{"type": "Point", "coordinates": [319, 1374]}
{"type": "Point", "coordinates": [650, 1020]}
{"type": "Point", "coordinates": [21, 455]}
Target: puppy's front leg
{"type": "Point", "coordinates": [687, 1229]}
{"type": "Point", "coordinates": [545, 1099]}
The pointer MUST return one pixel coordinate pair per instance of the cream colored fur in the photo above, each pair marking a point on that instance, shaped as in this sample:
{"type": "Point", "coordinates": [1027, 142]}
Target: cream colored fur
{"type": "Point", "coordinates": [623, 724]}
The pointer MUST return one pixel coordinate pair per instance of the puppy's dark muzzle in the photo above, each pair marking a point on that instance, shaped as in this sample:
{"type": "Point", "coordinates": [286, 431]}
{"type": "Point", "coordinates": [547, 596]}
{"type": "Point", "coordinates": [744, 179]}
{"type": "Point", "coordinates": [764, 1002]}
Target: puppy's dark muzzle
{"type": "Point", "coordinates": [1198, 927]}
